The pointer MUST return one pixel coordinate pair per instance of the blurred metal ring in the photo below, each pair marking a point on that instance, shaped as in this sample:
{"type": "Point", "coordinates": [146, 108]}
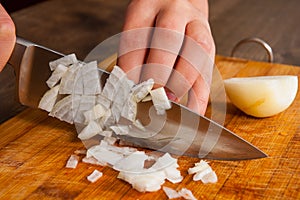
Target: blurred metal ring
{"type": "Point", "coordinates": [264, 44]}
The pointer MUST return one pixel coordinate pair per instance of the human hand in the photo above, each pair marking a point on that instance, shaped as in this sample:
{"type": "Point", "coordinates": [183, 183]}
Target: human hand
{"type": "Point", "coordinates": [7, 37]}
{"type": "Point", "coordinates": [181, 51]}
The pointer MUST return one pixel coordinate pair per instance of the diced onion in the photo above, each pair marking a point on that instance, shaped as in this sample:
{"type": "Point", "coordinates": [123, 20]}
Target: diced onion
{"type": "Point", "coordinates": [66, 61]}
{"type": "Point", "coordinates": [90, 130]}
{"type": "Point", "coordinates": [72, 161]}
{"type": "Point", "coordinates": [56, 75]}
{"type": "Point", "coordinates": [93, 177]}
{"type": "Point", "coordinates": [49, 99]}
{"type": "Point", "coordinates": [202, 171]}
{"type": "Point", "coordinates": [160, 100]}
{"type": "Point", "coordinates": [186, 194]}
{"type": "Point", "coordinates": [172, 194]}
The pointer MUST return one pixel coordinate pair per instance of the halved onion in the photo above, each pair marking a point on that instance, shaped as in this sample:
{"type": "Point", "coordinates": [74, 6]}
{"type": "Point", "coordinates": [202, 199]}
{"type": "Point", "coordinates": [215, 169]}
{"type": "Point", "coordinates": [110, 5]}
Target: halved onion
{"type": "Point", "coordinates": [262, 96]}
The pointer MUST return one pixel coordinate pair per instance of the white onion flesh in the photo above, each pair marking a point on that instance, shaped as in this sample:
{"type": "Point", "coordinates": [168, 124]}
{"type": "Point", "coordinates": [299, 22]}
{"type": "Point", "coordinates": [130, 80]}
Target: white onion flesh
{"type": "Point", "coordinates": [160, 100]}
{"type": "Point", "coordinates": [202, 171]}
{"type": "Point", "coordinates": [66, 61]}
{"type": "Point", "coordinates": [49, 99]}
{"type": "Point", "coordinates": [140, 91]}
{"type": "Point", "coordinates": [72, 161]}
{"type": "Point", "coordinates": [93, 177]}
{"type": "Point", "coordinates": [187, 194]}
{"type": "Point", "coordinates": [171, 193]}
{"type": "Point", "coordinates": [92, 129]}
{"type": "Point", "coordinates": [96, 112]}
{"type": "Point", "coordinates": [71, 81]}
{"type": "Point", "coordinates": [56, 75]}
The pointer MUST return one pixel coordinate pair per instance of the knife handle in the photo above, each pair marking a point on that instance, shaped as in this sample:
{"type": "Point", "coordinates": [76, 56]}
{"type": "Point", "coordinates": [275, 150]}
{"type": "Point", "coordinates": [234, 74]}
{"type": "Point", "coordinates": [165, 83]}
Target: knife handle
{"type": "Point", "coordinates": [17, 55]}
{"type": "Point", "coordinates": [30, 62]}
{"type": "Point", "coordinates": [16, 59]}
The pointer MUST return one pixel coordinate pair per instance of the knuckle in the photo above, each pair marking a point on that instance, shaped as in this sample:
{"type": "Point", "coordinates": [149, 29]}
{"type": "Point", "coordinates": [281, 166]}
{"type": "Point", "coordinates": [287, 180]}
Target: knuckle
{"type": "Point", "coordinates": [201, 34]}
{"type": "Point", "coordinates": [205, 41]}
{"type": "Point", "coordinates": [7, 28]}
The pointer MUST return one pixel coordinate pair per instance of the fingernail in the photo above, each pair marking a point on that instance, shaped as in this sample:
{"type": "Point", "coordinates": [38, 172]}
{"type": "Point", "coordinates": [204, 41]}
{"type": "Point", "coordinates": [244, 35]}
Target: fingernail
{"type": "Point", "coordinates": [171, 96]}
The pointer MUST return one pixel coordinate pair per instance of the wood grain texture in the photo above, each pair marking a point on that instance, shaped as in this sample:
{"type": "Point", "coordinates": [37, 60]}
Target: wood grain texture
{"type": "Point", "coordinates": [34, 149]}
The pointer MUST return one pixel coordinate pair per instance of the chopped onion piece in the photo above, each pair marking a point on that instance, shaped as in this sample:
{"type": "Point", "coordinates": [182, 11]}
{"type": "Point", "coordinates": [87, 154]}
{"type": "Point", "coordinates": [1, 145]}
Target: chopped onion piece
{"type": "Point", "coordinates": [71, 81]}
{"type": "Point", "coordinates": [90, 130]}
{"type": "Point", "coordinates": [160, 100]}
{"type": "Point", "coordinates": [144, 182]}
{"type": "Point", "coordinates": [199, 175]}
{"type": "Point", "coordinates": [104, 155]}
{"type": "Point", "coordinates": [105, 102]}
{"type": "Point", "coordinates": [49, 99]}
{"type": "Point", "coordinates": [96, 112]}
{"type": "Point", "coordinates": [86, 103]}
{"type": "Point", "coordinates": [105, 133]}
{"type": "Point", "coordinates": [210, 178]}
{"type": "Point", "coordinates": [187, 194]}
{"type": "Point", "coordinates": [64, 109]}
{"type": "Point", "coordinates": [164, 162]}
{"type": "Point", "coordinates": [133, 162]}
{"type": "Point", "coordinates": [141, 90]}
{"type": "Point", "coordinates": [90, 79]}
{"type": "Point", "coordinates": [110, 140]}
{"type": "Point", "coordinates": [116, 78]}
{"type": "Point", "coordinates": [172, 194]}
{"type": "Point", "coordinates": [120, 129]}
{"type": "Point", "coordinates": [121, 99]}
{"type": "Point", "coordinates": [107, 120]}
{"type": "Point", "coordinates": [173, 174]}
{"type": "Point", "coordinates": [122, 150]}
{"type": "Point", "coordinates": [71, 108]}
{"type": "Point", "coordinates": [93, 177]}
{"type": "Point", "coordinates": [117, 89]}
{"type": "Point", "coordinates": [66, 61]}
{"type": "Point", "coordinates": [200, 166]}
{"type": "Point", "coordinates": [129, 109]}
{"type": "Point", "coordinates": [56, 75]}
{"type": "Point", "coordinates": [72, 161]}
{"type": "Point", "coordinates": [104, 152]}
{"type": "Point", "coordinates": [202, 171]}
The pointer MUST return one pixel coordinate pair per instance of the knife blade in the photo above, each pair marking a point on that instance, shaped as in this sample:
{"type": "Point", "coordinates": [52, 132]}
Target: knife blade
{"type": "Point", "coordinates": [179, 131]}
{"type": "Point", "coordinates": [183, 132]}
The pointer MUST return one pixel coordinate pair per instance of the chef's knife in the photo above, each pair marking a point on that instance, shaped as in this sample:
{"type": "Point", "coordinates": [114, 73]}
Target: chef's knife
{"type": "Point", "coordinates": [179, 131]}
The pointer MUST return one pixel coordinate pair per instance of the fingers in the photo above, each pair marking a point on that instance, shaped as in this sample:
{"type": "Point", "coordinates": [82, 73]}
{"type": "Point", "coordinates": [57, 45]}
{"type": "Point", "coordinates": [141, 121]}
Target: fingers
{"type": "Point", "coordinates": [182, 49]}
{"type": "Point", "coordinates": [7, 37]}
{"type": "Point", "coordinates": [135, 37]}
{"type": "Point", "coordinates": [165, 46]}
{"type": "Point", "coordinates": [198, 96]}
{"type": "Point", "coordinates": [196, 59]}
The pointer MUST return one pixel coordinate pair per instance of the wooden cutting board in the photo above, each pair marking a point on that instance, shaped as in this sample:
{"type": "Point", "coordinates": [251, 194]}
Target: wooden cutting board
{"type": "Point", "coordinates": [34, 149]}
